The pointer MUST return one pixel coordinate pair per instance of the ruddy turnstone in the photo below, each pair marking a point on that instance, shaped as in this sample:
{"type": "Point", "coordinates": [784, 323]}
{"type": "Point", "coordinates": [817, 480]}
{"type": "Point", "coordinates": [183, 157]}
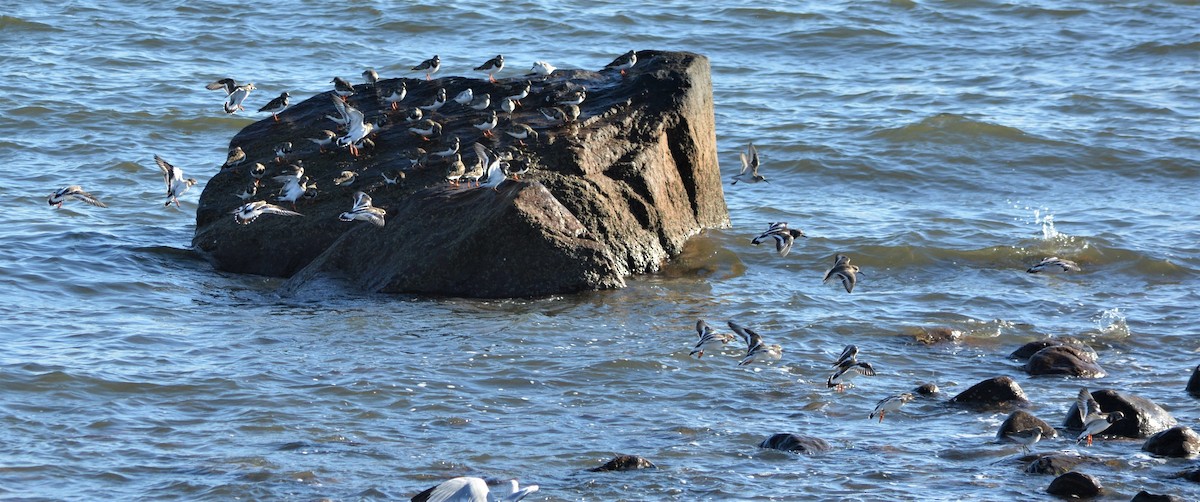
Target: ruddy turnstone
{"type": "Point", "coordinates": [1025, 437]}
{"type": "Point", "coordinates": [227, 84]}
{"type": "Point", "coordinates": [249, 192]}
{"type": "Point", "coordinates": [396, 95]}
{"type": "Point", "coordinates": [235, 158]}
{"type": "Point", "coordinates": [363, 210]}
{"type": "Point", "coordinates": [474, 172]}
{"type": "Point", "coordinates": [472, 489]}
{"type": "Point", "coordinates": [73, 192]}
{"type": "Point", "coordinates": [849, 357]}
{"type": "Point", "coordinates": [517, 167]}
{"type": "Point", "coordinates": [429, 66]}
{"type": "Point", "coordinates": [490, 164]}
{"type": "Point", "coordinates": [521, 92]}
{"type": "Point", "coordinates": [707, 338]}
{"type": "Point", "coordinates": [625, 62]}
{"type": "Point", "coordinates": [345, 178]}
{"type": "Point", "coordinates": [414, 115]}
{"type": "Point", "coordinates": [1093, 419]}
{"type": "Point", "coordinates": [465, 97]}
{"type": "Point", "coordinates": [293, 188]}
{"type": "Point", "coordinates": [572, 97]}
{"type": "Point", "coordinates": [358, 128]}
{"type": "Point", "coordinates": [492, 67]}
{"type": "Point", "coordinates": [481, 102]}
{"type": "Point", "coordinates": [396, 178]}
{"type": "Point", "coordinates": [784, 237]}
{"type": "Point", "coordinates": [756, 350]}
{"type": "Point", "coordinates": [282, 150]}
{"type": "Point", "coordinates": [844, 271]}
{"type": "Point", "coordinates": [749, 163]}
{"type": "Point", "coordinates": [426, 129]}
{"type": "Point", "coordinates": [455, 170]}
{"type": "Point", "coordinates": [1054, 265]}
{"type": "Point", "coordinates": [486, 123]}
{"type": "Point", "coordinates": [250, 211]}
{"type": "Point", "coordinates": [841, 378]}
{"type": "Point", "coordinates": [176, 184]}
{"type": "Point", "coordinates": [257, 172]}
{"type": "Point", "coordinates": [233, 103]}
{"type": "Point", "coordinates": [542, 68]}
{"type": "Point", "coordinates": [277, 105]}
{"type": "Point", "coordinates": [342, 87]}
{"type": "Point", "coordinates": [439, 100]}
{"type": "Point", "coordinates": [890, 403]}
{"type": "Point", "coordinates": [520, 131]}
{"type": "Point", "coordinates": [324, 139]}
{"type": "Point", "coordinates": [449, 149]}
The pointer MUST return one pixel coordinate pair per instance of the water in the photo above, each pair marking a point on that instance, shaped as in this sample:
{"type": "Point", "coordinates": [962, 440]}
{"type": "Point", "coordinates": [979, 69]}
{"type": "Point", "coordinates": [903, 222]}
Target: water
{"type": "Point", "coordinates": [944, 146]}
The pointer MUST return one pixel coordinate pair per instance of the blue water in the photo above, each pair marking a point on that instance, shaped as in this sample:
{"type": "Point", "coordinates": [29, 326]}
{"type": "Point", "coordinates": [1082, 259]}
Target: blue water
{"type": "Point", "coordinates": [944, 146]}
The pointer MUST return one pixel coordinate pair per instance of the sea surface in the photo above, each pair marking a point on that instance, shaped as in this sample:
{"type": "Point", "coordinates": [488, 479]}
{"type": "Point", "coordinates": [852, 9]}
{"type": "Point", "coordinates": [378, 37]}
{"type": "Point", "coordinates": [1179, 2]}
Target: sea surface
{"type": "Point", "coordinates": [945, 146]}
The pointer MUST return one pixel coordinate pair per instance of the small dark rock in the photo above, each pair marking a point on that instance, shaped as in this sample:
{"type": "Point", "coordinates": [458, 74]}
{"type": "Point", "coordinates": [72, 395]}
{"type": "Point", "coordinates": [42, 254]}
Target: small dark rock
{"type": "Point", "coordinates": [932, 336]}
{"type": "Point", "coordinates": [1145, 496]}
{"type": "Point", "coordinates": [795, 443]}
{"type": "Point", "coordinates": [1075, 484]}
{"type": "Point", "coordinates": [1178, 441]}
{"type": "Point", "coordinates": [993, 392]}
{"type": "Point", "coordinates": [1142, 419]}
{"type": "Point", "coordinates": [625, 463]}
{"type": "Point", "coordinates": [1063, 360]}
{"type": "Point", "coordinates": [927, 389]}
{"type": "Point", "coordinates": [1021, 420]}
{"type": "Point", "coordinates": [1031, 348]}
{"type": "Point", "coordinates": [1193, 386]}
{"type": "Point", "coordinates": [1054, 463]}
{"type": "Point", "coordinates": [1192, 475]}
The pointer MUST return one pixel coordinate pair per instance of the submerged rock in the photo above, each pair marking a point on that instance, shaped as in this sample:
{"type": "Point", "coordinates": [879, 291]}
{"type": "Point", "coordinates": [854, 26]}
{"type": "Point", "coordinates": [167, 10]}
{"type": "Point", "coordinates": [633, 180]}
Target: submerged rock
{"type": "Point", "coordinates": [1178, 441]}
{"type": "Point", "coordinates": [1193, 385]}
{"type": "Point", "coordinates": [1054, 463]}
{"type": "Point", "coordinates": [995, 392]}
{"type": "Point", "coordinates": [1063, 360]}
{"type": "Point", "coordinates": [795, 443]}
{"type": "Point", "coordinates": [1076, 485]}
{"type": "Point", "coordinates": [1145, 496]}
{"type": "Point", "coordinates": [1142, 417]}
{"type": "Point", "coordinates": [1020, 420]}
{"type": "Point", "coordinates": [613, 193]}
{"type": "Point", "coordinates": [1031, 348]}
{"type": "Point", "coordinates": [625, 463]}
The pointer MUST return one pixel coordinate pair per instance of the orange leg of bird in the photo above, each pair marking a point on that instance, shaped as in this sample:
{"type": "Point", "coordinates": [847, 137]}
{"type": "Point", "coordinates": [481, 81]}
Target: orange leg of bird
{"type": "Point", "coordinates": [1089, 439]}
{"type": "Point", "coordinates": [395, 106]}
{"type": "Point", "coordinates": [276, 117]}
{"type": "Point", "coordinates": [881, 412]}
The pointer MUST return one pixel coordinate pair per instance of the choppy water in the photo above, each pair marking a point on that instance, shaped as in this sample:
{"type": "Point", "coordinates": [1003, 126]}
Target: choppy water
{"type": "Point", "coordinates": [945, 146]}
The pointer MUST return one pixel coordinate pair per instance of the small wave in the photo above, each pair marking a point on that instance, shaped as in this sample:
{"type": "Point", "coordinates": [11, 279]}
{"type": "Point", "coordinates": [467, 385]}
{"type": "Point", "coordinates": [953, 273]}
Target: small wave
{"type": "Point", "coordinates": [1158, 48]}
{"type": "Point", "coordinates": [9, 24]}
{"type": "Point", "coordinates": [953, 128]}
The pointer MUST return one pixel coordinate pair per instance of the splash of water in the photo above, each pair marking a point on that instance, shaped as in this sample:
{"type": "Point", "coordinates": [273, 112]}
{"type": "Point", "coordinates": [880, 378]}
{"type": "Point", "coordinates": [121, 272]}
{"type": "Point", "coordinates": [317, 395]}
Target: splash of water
{"type": "Point", "coordinates": [1111, 323]}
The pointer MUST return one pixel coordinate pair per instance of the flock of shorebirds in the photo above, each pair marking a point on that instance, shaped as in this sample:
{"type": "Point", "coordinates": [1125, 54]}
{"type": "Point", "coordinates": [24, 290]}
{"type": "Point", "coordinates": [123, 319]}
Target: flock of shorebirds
{"type": "Point", "coordinates": [354, 132]}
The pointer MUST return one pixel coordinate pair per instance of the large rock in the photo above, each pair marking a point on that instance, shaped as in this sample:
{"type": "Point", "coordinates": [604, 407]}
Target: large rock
{"type": "Point", "coordinates": [613, 194]}
{"type": "Point", "coordinates": [1055, 463]}
{"type": "Point", "coordinates": [1075, 485]}
{"type": "Point", "coordinates": [1031, 348]}
{"type": "Point", "coordinates": [795, 443]}
{"type": "Point", "coordinates": [1193, 385]}
{"type": "Point", "coordinates": [1178, 441]}
{"type": "Point", "coordinates": [1020, 420]}
{"type": "Point", "coordinates": [998, 392]}
{"type": "Point", "coordinates": [1065, 360]}
{"type": "Point", "coordinates": [1142, 418]}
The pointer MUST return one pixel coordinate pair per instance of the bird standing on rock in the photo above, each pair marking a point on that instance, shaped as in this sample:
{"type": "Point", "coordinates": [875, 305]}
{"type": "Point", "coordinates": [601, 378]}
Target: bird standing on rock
{"type": "Point", "coordinates": [492, 67]}
{"type": "Point", "coordinates": [430, 66]}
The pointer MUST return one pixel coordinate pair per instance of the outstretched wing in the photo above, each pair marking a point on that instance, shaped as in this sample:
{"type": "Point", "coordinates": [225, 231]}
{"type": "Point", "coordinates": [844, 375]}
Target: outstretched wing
{"type": "Point", "coordinates": [169, 171]}
{"type": "Point", "coordinates": [362, 201]}
{"type": "Point", "coordinates": [753, 160]}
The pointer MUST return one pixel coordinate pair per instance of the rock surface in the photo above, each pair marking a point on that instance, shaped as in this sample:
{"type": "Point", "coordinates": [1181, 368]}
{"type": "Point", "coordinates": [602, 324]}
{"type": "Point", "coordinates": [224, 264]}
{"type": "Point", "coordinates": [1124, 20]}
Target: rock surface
{"type": "Point", "coordinates": [795, 443]}
{"type": "Point", "coordinates": [995, 392]}
{"type": "Point", "coordinates": [1193, 385]}
{"type": "Point", "coordinates": [1145, 496]}
{"type": "Point", "coordinates": [625, 463]}
{"type": "Point", "coordinates": [1142, 417]}
{"type": "Point", "coordinates": [1065, 360]}
{"type": "Point", "coordinates": [1031, 348]}
{"type": "Point", "coordinates": [1178, 441]}
{"type": "Point", "coordinates": [614, 193]}
{"type": "Point", "coordinates": [1054, 463]}
{"type": "Point", "coordinates": [1075, 485]}
{"type": "Point", "coordinates": [1021, 420]}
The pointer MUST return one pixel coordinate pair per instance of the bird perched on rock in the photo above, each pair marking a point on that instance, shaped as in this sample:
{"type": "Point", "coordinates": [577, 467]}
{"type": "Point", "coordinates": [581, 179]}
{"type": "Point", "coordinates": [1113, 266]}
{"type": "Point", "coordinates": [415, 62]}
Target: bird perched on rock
{"type": "Point", "coordinates": [520, 131]}
{"type": "Point", "coordinates": [173, 176]}
{"type": "Point", "coordinates": [235, 158]}
{"type": "Point", "coordinates": [277, 105]}
{"type": "Point", "coordinates": [345, 178]}
{"type": "Point", "coordinates": [756, 350]}
{"type": "Point", "coordinates": [363, 210]}
{"type": "Point", "coordinates": [282, 150]}
{"type": "Point", "coordinates": [465, 97]}
{"type": "Point", "coordinates": [324, 138]}
{"type": "Point", "coordinates": [370, 76]}
{"type": "Point", "coordinates": [492, 67]}
{"type": "Point", "coordinates": [396, 95]}
{"type": "Point", "coordinates": [542, 68]}
{"type": "Point", "coordinates": [486, 123]}
{"type": "Point", "coordinates": [426, 129]}
{"type": "Point", "coordinates": [625, 62]}
{"type": "Point", "coordinates": [784, 237]}
{"type": "Point", "coordinates": [342, 87]}
{"type": "Point", "coordinates": [73, 192]}
{"type": "Point", "coordinates": [439, 100]}
{"type": "Point", "coordinates": [1025, 437]}
{"type": "Point", "coordinates": [521, 91]}
{"type": "Point", "coordinates": [455, 170]}
{"type": "Point", "coordinates": [844, 271]}
{"type": "Point", "coordinates": [233, 103]}
{"type": "Point", "coordinates": [707, 338]}
{"type": "Point", "coordinates": [490, 163]}
{"type": "Point", "coordinates": [1094, 421]}
{"type": "Point", "coordinates": [429, 66]}
{"type": "Point", "coordinates": [449, 149]}
{"type": "Point", "coordinates": [250, 211]}
{"type": "Point", "coordinates": [481, 102]}
{"type": "Point", "coordinates": [257, 172]}
{"type": "Point", "coordinates": [749, 163]}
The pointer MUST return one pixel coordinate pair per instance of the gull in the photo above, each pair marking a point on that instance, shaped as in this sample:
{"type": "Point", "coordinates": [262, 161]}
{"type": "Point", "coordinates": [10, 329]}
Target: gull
{"type": "Point", "coordinates": [176, 184]}
{"type": "Point", "coordinates": [363, 210]}
{"type": "Point", "coordinates": [73, 192]}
